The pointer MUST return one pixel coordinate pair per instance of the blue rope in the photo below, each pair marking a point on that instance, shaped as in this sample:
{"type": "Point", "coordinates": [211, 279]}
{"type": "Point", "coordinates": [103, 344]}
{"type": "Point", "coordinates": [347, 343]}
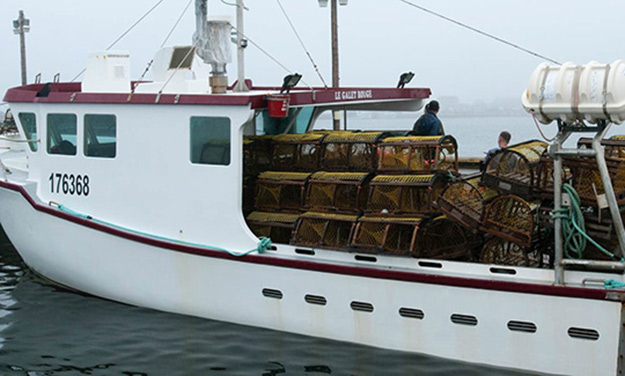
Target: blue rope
{"type": "Point", "coordinates": [263, 245]}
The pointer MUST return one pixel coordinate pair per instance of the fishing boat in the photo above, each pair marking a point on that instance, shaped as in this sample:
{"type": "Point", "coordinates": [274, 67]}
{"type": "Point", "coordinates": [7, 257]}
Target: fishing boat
{"type": "Point", "coordinates": [189, 195]}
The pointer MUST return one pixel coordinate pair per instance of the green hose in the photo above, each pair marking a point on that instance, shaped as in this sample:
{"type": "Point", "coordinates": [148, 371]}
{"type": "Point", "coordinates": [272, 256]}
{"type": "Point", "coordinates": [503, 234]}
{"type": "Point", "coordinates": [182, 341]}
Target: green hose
{"type": "Point", "coordinates": [574, 228]}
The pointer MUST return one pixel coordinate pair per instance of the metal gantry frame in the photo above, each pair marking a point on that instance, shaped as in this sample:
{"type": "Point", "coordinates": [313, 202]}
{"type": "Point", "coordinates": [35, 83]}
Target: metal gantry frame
{"type": "Point", "coordinates": [557, 152]}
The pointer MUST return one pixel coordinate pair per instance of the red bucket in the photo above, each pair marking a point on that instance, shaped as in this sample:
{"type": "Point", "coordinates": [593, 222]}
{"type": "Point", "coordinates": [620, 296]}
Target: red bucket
{"type": "Point", "coordinates": [278, 105]}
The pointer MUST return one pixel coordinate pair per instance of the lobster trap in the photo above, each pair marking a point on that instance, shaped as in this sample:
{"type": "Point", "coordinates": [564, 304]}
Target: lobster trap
{"type": "Point", "coordinates": [418, 154]}
{"type": "Point", "coordinates": [337, 191]}
{"type": "Point", "coordinates": [387, 234]}
{"type": "Point", "coordinates": [414, 236]}
{"type": "Point", "coordinates": [498, 251]}
{"type": "Point", "coordinates": [405, 194]}
{"type": "Point", "coordinates": [464, 201]}
{"type": "Point", "coordinates": [350, 151]}
{"type": "Point", "coordinates": [515, 169]}
{"type": "Point", "coordinates": [512, 218]}
{"type": "Point", "coordinates": [281, 191]}
{"type": "Point", "coordinates": [324, 230]}
{"type": "Point", "coordinates": [586, 179]}
{"type": "Point", "coordinates": [257, 154]}
{"type": "Point", "coordinates": [276, 226]}
{"type": "Point", "coordinates": [297, 152]}
{"type": "Point", "coordinates": [614, 147]}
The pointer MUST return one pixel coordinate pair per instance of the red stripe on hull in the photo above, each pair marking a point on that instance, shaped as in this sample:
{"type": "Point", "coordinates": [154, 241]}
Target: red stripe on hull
{"type": "Point", "coordinates": [504, 286]}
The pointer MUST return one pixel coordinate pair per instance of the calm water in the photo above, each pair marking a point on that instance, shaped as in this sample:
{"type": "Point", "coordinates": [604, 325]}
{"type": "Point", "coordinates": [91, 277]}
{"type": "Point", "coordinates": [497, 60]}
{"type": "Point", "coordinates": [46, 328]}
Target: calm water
{"type": "Point", "coordinates": [45, 330]}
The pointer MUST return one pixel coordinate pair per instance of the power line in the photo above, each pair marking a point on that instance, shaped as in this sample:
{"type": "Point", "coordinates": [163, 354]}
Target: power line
{"type": "Point", "coordinates": [480, 32]}
{"type": "Point", "coordinates": [124, 33]}
{"type": "Point", "coordinates": [301, 42]}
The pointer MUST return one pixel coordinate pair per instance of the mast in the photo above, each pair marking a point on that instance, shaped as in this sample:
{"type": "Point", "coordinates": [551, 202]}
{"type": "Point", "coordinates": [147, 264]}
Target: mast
{"type": "Point", "coordinates": [241, 44]}
{"type": "Point", "coordinates": [22, 26]}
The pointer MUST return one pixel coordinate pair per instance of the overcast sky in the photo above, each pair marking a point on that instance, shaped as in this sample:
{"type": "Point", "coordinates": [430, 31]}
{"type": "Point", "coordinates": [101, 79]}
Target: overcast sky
{"type": "Point", "coordinates": [378, 39]}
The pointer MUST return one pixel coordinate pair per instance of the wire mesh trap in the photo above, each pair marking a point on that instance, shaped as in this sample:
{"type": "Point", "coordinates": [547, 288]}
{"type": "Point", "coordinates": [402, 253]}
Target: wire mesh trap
{"type": "Point", "coordinates": [405, 194]}
{"type": "Point", "coordinates": [443, 239]}
{"type": "Point", "coordinates": [348, 151]}
{"type": "Point", "coordinates": [297, 152]}
{"type": "Point", "coordinates": [512, 218]}
{"type": "Point", "coordinates": [324, 230]}
{"type": "Point", "coordinates": [281, 190]}
{"type": "Point", "coordinates": [464, 201]}
{"type": "Point", "coordinates": [515, 169]}
{"type": "Point", "coordinates": [276, 226]}
{"type": "Point", "coordinates": [337, 191]}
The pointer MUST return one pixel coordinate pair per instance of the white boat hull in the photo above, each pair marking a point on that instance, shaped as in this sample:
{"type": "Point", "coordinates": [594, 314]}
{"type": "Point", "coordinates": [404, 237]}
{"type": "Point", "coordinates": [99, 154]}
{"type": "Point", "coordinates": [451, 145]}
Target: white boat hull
{"type": "Point", "coordinates": [139, 273]}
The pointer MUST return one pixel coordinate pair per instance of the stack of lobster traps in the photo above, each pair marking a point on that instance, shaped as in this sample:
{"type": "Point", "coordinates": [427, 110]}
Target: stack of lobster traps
{"type": "Point", "coordinates": [355, 191]}
{"type": "Point", "coordinates": [502, 205]}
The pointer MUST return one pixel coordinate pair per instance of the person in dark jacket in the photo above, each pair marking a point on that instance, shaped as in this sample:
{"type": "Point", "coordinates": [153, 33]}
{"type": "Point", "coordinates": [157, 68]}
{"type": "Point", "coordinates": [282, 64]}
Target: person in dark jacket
{"type": "Point", "coordinates": [429, 124]}
{"type": "Point", "coordinates": [502, 141]}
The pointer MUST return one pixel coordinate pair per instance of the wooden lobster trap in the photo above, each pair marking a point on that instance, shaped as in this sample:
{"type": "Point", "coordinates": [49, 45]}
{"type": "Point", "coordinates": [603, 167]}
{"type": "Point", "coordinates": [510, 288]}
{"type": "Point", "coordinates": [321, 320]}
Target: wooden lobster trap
{"type": "Point", "coordinates": [405, 194]}
{"type": "Point", "coordinates": [337, 191]}
{"type": "Point", "coordinates": [498, 251]}
{"type": "Point", "coordinates": [297, 152]}
{"type": "Point", "coordinates": [281, 191]}
{"type": "Point", "coordinates": [414, 236]}
{"type": "Point", "coordinates": [464, 201]}
{"type": "Point", "coordinates": [418, 154]}
{"type": "Point", "coordinates": [587, 181]}
{"type": "Point", "coordinates": [515, 169]}
{"type": "Point", "coordinates": [544, 183]}
{"type": "Point", "coordinates": [276, 226]}
{"type": "Point", "coordinates": [512, 218]}
{"type": "Point", "coordinates": [354, 151]}
{"type": "Point", "coordinates": [324, 230]}
{"type": "Point", "coordinates": [387, 234]}
{"type": "Point", "coordinates": [614, 147]}
{"type": "Point", "coordinates": [257, 154]}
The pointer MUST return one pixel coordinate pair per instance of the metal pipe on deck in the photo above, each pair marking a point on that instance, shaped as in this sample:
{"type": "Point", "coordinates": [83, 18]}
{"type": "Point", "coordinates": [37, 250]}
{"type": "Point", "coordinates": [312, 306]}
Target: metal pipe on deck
{"type": "Point", "coordinates": [557, 204]}
{"type": "Point", "coordinates": [608, 188]}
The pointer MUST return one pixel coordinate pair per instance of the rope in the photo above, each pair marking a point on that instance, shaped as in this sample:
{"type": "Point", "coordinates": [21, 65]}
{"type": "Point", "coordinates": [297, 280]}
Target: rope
{"type": "Point", "coordinates": [539, 129]}
{"type": "Point", "coordinates": [301, 42]}
{"type": "Point", "coordinates": [613, 284]}
{"type": "Point", "coordinates": [176, 24]}
{"type": "Point", "coordinates": [263, 245]}
{"type": "Point", "coordinates": [574, 228]}
{"type": "Point", "coordinates": [480, 32]}
{"type": "Point", "coordinates": [267, 54]}
{"type": "Point", "coordinates": [124, 34]}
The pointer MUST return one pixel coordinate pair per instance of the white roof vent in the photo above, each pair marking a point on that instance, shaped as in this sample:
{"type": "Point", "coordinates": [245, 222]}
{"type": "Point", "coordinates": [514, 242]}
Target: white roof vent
{"type": "Point", "coordinates": [107, 72]}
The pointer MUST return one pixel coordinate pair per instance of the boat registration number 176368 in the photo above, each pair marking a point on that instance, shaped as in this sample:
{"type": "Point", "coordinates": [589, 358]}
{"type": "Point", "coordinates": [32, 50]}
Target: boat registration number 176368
{"type": "Point", "coordinates": [69, 184]}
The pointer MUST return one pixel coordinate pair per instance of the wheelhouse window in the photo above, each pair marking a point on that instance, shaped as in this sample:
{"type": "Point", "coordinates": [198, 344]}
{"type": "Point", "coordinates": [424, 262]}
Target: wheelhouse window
{"type": "Point", "coordinates": [210, 140]}
{"type": "Point", "coordinates": [100, 139]}
{"type": "Point", "coordinates": [29, 125]}
{"type": "Point", "coordinates": [62, 134]}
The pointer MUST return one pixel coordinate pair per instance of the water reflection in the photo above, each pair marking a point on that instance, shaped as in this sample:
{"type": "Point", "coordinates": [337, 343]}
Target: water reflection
{"type": "Point", "coordinates": [49, 331]}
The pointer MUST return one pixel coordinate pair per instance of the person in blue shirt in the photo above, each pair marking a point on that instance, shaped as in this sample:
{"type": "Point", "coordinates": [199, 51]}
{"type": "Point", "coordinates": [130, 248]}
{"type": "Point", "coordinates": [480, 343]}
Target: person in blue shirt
{"type": "Point", "coordinates": [429, 124]}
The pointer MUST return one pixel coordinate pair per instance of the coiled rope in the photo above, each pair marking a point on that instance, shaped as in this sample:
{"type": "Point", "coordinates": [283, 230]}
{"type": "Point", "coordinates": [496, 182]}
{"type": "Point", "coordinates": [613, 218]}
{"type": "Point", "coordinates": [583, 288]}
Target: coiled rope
{"type": "Point", "coordinates": [263, 245]}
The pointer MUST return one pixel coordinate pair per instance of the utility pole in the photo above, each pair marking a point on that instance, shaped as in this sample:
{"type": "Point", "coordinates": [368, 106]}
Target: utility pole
{"type": "Point", "coordinates": [22, 26]}
{"type": "Point", "coordinates": [334, 14]}
{"type": "Point", "coordinates": [335, 58]}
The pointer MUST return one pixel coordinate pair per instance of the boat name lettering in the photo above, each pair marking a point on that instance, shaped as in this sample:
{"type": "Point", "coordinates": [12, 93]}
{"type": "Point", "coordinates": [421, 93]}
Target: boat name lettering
{"type": "Point", "coordinates": [352, 94]}
{"type": "Point", "coordinates": [69, 184]}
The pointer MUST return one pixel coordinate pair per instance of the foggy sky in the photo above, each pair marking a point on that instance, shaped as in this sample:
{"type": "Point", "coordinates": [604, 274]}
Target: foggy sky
{"type": "Point", "coordinates": [378, 39]}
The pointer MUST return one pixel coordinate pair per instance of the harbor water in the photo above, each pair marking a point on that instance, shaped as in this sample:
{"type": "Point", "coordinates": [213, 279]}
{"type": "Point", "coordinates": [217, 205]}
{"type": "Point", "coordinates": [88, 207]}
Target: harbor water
{"type": "Point", "coordinates": [46, 330]}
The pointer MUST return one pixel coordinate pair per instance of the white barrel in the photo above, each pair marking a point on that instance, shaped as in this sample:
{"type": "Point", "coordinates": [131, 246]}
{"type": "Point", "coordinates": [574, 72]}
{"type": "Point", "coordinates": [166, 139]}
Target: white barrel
{"type": "Point", "coordinates": [572, 92]}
